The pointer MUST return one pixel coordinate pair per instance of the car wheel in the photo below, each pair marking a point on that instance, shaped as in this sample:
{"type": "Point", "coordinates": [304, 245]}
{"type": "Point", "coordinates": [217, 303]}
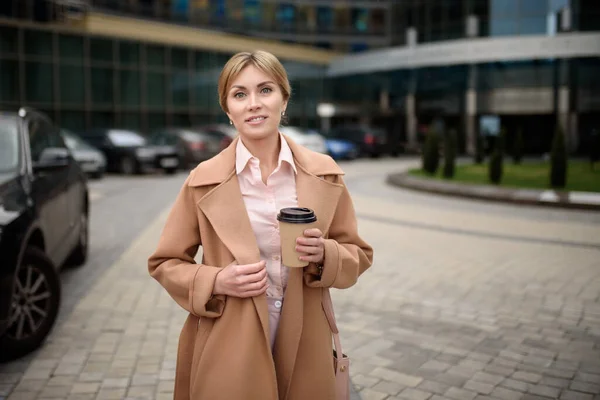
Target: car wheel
{"type": "Point", "coordinates": [80, 252]}
{"type": "Point", "coordinates": [128, 166]}
{"type": "Point", "coordinates": [35, 302]}
{"type": "Point", "coordinates": [170, 171]}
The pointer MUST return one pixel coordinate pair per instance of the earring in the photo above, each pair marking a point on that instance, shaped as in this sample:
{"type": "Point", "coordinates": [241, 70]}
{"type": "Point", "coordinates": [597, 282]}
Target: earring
{"type": "Point", "coordinates": [283, 113]}
{"type": "Point", "coordinates": [230, 122]}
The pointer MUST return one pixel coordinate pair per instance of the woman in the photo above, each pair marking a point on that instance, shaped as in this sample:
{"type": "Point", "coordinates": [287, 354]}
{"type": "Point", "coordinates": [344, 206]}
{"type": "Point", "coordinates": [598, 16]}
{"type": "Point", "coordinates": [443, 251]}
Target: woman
{"type": "Point", "coordinates": [256, 329]}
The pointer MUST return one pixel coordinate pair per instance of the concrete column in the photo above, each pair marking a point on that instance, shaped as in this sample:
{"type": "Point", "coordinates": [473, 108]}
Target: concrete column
{"type": "Point", "coordinates": [470, 116]}
{"type": "Point", "coordinates": [411, 122]}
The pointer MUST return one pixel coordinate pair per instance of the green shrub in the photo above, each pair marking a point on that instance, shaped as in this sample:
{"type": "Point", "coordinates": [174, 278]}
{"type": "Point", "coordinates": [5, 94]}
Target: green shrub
{"type": "Point", "coordinates": [496, 160]}
{"type": "Point", "coordinates": [558, 160]}
{"type": "Point", "coordinates": [431, 155]}
{"type": "Point", "coordinates": [449, 154]}
{"type": "Point", "coordinates": [518, 147]}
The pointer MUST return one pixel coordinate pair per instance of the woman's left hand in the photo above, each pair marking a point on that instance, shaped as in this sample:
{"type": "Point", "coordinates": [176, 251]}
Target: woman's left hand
{"type": "Point", "coordinates": [311, 247]}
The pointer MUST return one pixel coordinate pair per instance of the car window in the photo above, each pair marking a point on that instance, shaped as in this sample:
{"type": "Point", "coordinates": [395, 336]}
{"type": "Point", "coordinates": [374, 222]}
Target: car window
{"type": "Point", "coordinates": [43, 137]}
{"type": "Point", "coordinates": [74, 142]}
{"type": "Point", "coordinates": [126, 138]}
{"type": "Point", "coordinates": [190, 136]}
{"type": "Point", "coordinates": [9, 144]}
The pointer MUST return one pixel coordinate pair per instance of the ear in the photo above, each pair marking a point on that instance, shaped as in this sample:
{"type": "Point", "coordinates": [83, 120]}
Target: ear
{"type": "Point", "coordinates": [284, 105]}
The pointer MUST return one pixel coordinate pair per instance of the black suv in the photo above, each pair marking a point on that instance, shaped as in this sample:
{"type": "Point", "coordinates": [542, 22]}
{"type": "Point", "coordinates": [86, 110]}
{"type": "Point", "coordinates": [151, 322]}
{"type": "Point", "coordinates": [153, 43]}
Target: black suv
{"type": "Point", "coordinates": [44, 212]}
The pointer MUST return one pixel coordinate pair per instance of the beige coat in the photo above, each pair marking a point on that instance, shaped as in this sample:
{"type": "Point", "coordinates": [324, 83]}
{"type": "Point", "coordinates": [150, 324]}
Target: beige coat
{"type": "Point", "coordinates": [224, 351]}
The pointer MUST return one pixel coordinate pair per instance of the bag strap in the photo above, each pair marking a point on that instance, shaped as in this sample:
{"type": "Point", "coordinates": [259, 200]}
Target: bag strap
{"type": "Point", "coordinates": [330, 315]}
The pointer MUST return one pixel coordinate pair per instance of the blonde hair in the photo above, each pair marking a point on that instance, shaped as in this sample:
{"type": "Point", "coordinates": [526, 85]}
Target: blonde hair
{"type": "Point", "coordinates": [262, 60]}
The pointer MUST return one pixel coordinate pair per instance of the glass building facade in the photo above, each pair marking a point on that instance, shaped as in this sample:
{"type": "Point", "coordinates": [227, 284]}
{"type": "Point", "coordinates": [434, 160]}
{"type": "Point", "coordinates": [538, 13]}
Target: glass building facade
{"type": "Point", "coordinates": [84, 81]}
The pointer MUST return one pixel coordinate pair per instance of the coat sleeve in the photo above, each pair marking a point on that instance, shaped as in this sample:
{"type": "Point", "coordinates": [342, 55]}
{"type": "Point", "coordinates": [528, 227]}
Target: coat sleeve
{"type": "Point", "coordinates": [347, 256]}
{"type": "Point", "coordinates": [173, 266]}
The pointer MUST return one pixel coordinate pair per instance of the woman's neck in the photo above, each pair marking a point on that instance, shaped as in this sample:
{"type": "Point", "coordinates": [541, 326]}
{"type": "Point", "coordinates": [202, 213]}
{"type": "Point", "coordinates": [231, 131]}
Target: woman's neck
{"type": "Point", "coordinates": [266, 150]}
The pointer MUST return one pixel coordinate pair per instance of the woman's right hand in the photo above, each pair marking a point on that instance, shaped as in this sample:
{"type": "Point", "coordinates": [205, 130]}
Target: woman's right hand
{"type": "Point", "coordinates": [247, 280]}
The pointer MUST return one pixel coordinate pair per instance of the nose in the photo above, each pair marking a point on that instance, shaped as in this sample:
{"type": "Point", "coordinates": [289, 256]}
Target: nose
{"type": "Point", "coordinates": [253, 102]}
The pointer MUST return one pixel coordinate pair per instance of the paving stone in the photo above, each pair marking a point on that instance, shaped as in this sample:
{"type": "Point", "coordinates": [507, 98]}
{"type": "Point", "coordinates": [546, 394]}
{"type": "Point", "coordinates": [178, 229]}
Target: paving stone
{"type": "Point", "coordinates": [414, 394]}
{"type": "Point", "coordinates": [506, 394]}
{"type": "Point", "coordinates": [546, 391]}
{"type": "Point", "coordinates": [526, 377]}
{"type": "Point", "coordinates": [85, 388]}
{"type": "Point", "coordinates": [111, 394]}
{"type": "Point", "coordinates": [581, 376]}
{"type": "Point", "coordinates": [488, 378]}
{"type": "Point", "coordinates": [390, 388]}
{"type": "Point", "coordinates": [364, 381]}
{"type": "Point", "coordinates": [586, 387]}
{"type": "Point", "coordinates": [390, 375]}
{"type": "Point", "coordinates": [59, 392]}
{"type": "Point", "coordinates": [460, 394]}
{"type": "Point", "coordinates": [571, 395]}
{"type": "Point", "coordinates": [370, 394]}
{"type": "Point", "coordinates": [433, 387]}
{"type": "Point", "coordinates": [555, 382]}
{"type": "Point", "coordinates": [479, 387]}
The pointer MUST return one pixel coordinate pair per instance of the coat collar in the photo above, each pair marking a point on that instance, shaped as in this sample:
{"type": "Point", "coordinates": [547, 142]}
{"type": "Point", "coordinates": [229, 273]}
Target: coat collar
{"type": "Point", "coordinates": [219, 168]}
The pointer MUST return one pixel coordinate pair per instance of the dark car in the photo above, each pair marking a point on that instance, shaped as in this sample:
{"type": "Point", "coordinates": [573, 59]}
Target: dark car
{"type": "Point", "coordinates": [91, 160]}
{"type": "Point", "coordinates": [44, 211]}
{"type": "Point", "coordinates": [371, 142]}
{"type": "Point", "coordinates": [166, 151]}
{"type": "Point", "coordinates": [192, 145]}
{"type": "Point", "coordinates": [126, 151]}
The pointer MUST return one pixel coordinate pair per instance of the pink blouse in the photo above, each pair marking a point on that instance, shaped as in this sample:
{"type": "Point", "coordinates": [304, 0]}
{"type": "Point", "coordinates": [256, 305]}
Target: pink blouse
{"type": "Point", "coordinates": [263, 202]}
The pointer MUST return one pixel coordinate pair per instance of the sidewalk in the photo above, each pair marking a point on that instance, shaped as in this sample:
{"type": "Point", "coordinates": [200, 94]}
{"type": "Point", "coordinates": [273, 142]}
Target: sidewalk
{"type": "Point", "coordinates": [551, 198]}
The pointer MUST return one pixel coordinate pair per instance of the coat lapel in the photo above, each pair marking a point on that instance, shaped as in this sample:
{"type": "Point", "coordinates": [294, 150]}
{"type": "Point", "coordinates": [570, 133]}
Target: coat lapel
{"type": "Point", "coordinates": [224, 208]}
{"type": "Point", "coordinates": [322, 197]}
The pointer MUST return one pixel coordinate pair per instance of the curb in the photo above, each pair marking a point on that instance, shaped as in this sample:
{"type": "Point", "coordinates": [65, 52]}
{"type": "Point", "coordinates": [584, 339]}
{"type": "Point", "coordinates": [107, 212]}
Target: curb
{"type": "Point", "coordinates": [547, 198]}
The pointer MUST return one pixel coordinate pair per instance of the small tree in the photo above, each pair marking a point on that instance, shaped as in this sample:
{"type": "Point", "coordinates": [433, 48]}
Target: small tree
{"type": "Point", "coordinates": [496, 160]}
{"type": "Point", "coordinates": [449, 154]}
{"type": "Point", "coordinates": [431, 156]}
{"type": "Point", "coordinates": [479, 156]}
{"type": "Point", "coordinates": [518, 147]}
{"type": "Point", "coordinates": [558, 160]}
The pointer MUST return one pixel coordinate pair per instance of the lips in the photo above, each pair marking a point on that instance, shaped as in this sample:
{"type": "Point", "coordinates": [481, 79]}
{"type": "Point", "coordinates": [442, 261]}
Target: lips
{"type": "Point", "coordinates": [256, 118]}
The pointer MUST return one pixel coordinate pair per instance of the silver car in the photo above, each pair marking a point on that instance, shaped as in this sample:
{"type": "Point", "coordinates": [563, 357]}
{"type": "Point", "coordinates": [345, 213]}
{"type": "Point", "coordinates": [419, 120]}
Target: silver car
{"type": "Point", "coordinates": [90, 159]}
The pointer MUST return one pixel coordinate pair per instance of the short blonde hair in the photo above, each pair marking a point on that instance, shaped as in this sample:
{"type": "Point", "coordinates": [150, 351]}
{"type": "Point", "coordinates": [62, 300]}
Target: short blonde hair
{"type": "Point", "coordinates": [262, 60]}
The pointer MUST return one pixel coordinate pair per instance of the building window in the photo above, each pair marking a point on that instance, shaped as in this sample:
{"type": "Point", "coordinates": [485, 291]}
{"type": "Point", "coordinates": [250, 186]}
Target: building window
{"type": "Point", "coordinates": [8, 40]}
{"type": "Point", "coordinates": [155, 89]}
{"type": "Point", "coordinates": [73, 120]}
{"type": "Point", "coordinates": [9, 91]}
{"type": "Point", "coordinates": [39, 83]}
{"type": "Point", "coordinates": [71, 48]}
{"type": "Point", "coordinates": [38, 43]}
{"type": "Point", "coordinates": [129, 54]}
{"type": "Point", "coordinates": [101, 50]}
{"type": "Point", "coordinates": [129, 87]}
{"type": "Point", "coordinates": [102, 86]}
{"type": "Point", "coordinates": [155, 56]}
{"type": "Point", "coordinates": [72, 84]}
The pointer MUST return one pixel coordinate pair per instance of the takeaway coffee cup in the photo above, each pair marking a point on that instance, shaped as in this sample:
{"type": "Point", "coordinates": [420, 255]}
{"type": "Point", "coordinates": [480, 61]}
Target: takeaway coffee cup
{"type": "Point", "coordinates": [293, 221]}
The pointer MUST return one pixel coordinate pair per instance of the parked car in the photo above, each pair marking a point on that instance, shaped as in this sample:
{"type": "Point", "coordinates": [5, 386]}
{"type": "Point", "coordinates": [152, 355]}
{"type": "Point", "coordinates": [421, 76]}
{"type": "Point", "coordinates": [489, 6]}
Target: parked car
{"type": "Point", "coordinates": [126, 151]}
{"type": "Point", "coordinates": [44, 214]}
{"type": "Point", "coordinates": [192, 145]}
{"type": "Point", "coordinates": [166, 151]}
{"type": "Point", "coordinates": [371, 141]}
{"type": "Point", "coordinates": [341, 149]}
{"type": "Point", "coordinates": [313, 141]}
{"type": "Point", "coordinates": [225, 129]}
{"type": "Point", "coordinates": [90, 159]}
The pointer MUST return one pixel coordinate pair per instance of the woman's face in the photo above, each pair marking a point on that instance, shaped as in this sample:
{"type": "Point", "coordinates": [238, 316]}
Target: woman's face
{"type": "Point", "coordinates": [255, 104]}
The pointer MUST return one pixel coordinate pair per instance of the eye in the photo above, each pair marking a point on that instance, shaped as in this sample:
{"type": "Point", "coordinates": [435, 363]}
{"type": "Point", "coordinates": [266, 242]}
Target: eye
{"type": "Point", "coordinates": [239, 95]}
{"type": "Point", "coordinates": [266, 90]}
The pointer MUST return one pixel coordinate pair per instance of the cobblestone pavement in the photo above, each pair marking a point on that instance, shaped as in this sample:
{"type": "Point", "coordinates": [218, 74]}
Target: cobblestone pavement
{"type": "Point", "coordinates": [458, 305]}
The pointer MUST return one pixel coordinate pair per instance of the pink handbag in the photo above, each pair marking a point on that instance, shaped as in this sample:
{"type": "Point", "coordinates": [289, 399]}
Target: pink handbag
{"type": "Point", "coordinates": [341, 362]}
